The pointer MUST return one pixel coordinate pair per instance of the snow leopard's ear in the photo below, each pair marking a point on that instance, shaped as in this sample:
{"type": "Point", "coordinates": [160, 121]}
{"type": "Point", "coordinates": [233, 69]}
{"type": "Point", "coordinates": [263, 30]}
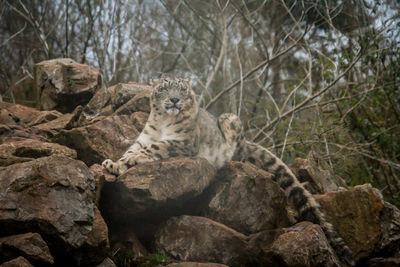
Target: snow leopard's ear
{"type": "Point", "coordinates": [188, 83]}
{"type": "Point", "coordinates": [154, 82]}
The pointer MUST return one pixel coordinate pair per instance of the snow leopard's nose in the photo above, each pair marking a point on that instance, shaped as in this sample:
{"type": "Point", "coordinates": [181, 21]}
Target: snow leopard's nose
{"type": "Point", "coordinates": [174, 100]}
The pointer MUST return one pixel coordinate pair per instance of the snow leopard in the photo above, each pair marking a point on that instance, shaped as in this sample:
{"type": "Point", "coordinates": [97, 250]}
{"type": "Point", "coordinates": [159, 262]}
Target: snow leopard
{"type": "Point", "coordinates": [178, 127]}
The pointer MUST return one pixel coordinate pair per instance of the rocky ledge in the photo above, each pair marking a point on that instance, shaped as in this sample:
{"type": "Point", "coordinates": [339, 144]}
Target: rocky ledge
{"type": "Point", "coordinates": [58, 207]}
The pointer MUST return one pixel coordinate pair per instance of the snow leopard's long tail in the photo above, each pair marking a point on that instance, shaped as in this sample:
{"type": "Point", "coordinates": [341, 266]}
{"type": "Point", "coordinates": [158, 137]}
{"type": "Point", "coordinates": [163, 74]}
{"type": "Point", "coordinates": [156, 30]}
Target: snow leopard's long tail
{"type": "Point", "coordinates": [307, 207]}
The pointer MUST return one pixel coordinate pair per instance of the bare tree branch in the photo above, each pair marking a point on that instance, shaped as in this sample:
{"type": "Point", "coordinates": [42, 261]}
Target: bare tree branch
{"type": "Point", "coordinates": [253, 70]}
{"type": "Point", "coordinates": [310, 98]}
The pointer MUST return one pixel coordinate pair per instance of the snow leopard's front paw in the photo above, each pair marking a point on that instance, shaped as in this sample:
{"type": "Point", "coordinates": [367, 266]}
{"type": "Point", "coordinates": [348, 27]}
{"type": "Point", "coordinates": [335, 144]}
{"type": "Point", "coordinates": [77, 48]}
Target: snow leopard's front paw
{"type": "Point", "coordinates": [140, 157]}
{"type": "Point", "coordinates": [111, 166]}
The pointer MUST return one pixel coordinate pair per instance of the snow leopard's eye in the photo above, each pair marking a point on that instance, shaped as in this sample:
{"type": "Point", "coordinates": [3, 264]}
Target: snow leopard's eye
{"type": "Point", "coordinates": [162, 89]}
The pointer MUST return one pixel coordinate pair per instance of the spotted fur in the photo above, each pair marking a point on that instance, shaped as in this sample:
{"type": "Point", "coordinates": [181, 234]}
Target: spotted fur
{"type": "Point", "coordinates": [178, 127]}
{"type": "Point", "coordinates": [307, 207]}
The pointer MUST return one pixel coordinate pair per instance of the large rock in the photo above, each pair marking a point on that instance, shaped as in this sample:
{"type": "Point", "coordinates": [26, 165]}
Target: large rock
{"type": "Point", "coordinates": [195, 264]}
{"type": "Point", "coordinates": [97, 247]}
{"type": "Point", "coordinates": [122, 98]}
{"type": "Point", "coordinates": [100, 103]}
{"type": "Point", "coordinates": [63, 84]}
{"type": "Point", "coordinates": [247, 199]}
{"type": "Point", "coordinates": [389, 240]}
{"type": "Point", "coordinates": [10, 133]}
{"type": "Point", "coordinates": [107, 262]}
{"type": "Point", "coordinates": [131, 97]}
{"type": "Point", "coordinates": [157, 185]}
{"type": "Point", "coordinates": [107, 138]}
{"type": "Point", "coordinates": [16, 122]}
{"type": "Point", "coordinates": [382, 262]}
{"type": "Point", "coordinates": [17, 262]}
{"type": "Point", "coordinates": [29, 245]}
{"type": "Point", "coordinates": [316, 180]}
{"type": "Point", "coordinates": [303, 244]}
{"type": "Point", "coordinates": [52, 128]}
{"type": "Point", "coordinates": [7, 118]}
{"type": "Point", "coordinates": [101, 176]}
{"type": "Point", "coordinates": [149, 193]}
{"type": "Point", "coordinates": [25, 116]}
{"type": "Point", "coordinates": [125, 241]}
{"type": "Point", "coordinates": [192, 238]}
{"type": "Point", "coordinates": [356, 216]}
{"type": "Point", "coordinates": [53, 196]}
{"type": "Point", "coordinates": [29, 149]}
{"type": "Point", "coordinates": [66, 121]}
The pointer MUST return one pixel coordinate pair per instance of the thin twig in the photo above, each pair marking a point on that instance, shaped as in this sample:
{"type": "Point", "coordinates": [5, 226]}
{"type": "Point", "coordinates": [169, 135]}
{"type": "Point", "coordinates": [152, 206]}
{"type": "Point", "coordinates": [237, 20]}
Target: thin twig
{"type": "Point", "coordinates": [248, 74]}
{"type": "Point", "coordinates": [14, 35]}
{"type": "Point", "coordinates": [307, 100]}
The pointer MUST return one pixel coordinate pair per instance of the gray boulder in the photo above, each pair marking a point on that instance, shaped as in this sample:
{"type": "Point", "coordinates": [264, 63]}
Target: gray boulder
{"type": "Point", "coordinates": [53, 196]}
{"type": "Point", "coordinates": [246, 199]}
{"type": "Point", "coordinates": [63, 84]}
{"type": "Point", "coordinates": [28, 245]}
{"type": "Point", "coordinates": [198, 239]}
{"type": "Point", "coordinates": [303, 244]}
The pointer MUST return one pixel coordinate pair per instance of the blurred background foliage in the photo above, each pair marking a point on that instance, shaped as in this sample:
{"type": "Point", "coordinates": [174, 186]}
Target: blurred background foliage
{"type": "Point", "coordinates": [312, 79]}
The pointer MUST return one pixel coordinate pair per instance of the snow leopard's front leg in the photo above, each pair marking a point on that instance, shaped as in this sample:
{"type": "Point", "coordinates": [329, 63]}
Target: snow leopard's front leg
{"type": "Point", "coordinates": [139, 153]}
{"type": "Point", "coordinates": [120, 165]}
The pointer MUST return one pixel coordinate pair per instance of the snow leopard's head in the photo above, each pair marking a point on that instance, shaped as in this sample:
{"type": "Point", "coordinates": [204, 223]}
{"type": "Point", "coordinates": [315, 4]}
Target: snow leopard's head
{"type": "Point", "coordinates": [172, 95]}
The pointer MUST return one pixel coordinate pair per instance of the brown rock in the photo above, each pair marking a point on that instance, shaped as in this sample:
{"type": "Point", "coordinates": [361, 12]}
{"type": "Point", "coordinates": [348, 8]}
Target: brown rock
{"type": "Point", "coordinates": [149, 193]}
{"type": "Point", "coordinates": [64, 84]}
{"type": "Point", "coordinates": [191, 238]}
{"type": "Point", "coordinates": [51, 128]}
{"type": "Point", "coordinates": [65, 121]}
{"type": "Point", "coordinates": [10, 133]}
{"type": "Point", "coordinates": [107, 111]}
{"type": "Point", "coordinates": [53, 196]}
{"type": "Point", "coordinates": [44, 117]}
{"type": "Point", "coordinates": [107, 262]}
{"type": "Point", "coordinates": [125, 92]}
{"type": "Point", "coordinates": [17, 262]}
{"type": "Point", "coordinates": [29, 245]}
{"type": "Point", "coordinates": [161, 181]}
{"type": "Point", "coordinates": [260, 243]}
{"type": "Point", "coordinates": [107, 138]}
{"type": "Point", "coordinates": [7, 118]}
{"type": "Point", "coordinates": [125, 239]}
{"type": "Point", "coordinates": [153, 185]}
{"type": "Point", "coordinates": [355, 214]}
{"type": "Point", "coordinates": [15, 121]}
{"type": "Point", "coordinates": [97, 246]}
{"type": "Point", "coordinates": [383, 262]}
{"type": "Point", "coordinates": [389, 241]}
{"type": "Point", "coordinates": [99, 102]}
{"type": "Point", "coordinates": [303, 244]}
{"type": "Point", "coordinates": [29, 149]}
{"type": "Point", "coordinates": [131, 97]}
{"type": "Point", "coordinates": [98, 237]}
{"type": "Point", "coordinates": [101, 176]}
{"type": "Point", "coordinates": [195, 264]}
{"type": "Point", "coordinates": [122, 98]}
{"type": "Point", "coordinates": [247, 199]}
{"type": "Point", "coordinates": [24, 116]}
{"type": "Point", "coordinates": [317, 181]}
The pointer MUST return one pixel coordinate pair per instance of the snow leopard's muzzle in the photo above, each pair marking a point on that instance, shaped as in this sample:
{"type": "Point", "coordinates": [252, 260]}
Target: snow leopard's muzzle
{"type": "Point", "coordinates": [173, 105]}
